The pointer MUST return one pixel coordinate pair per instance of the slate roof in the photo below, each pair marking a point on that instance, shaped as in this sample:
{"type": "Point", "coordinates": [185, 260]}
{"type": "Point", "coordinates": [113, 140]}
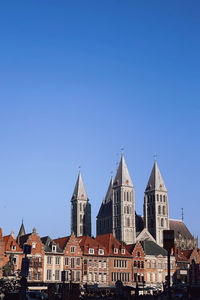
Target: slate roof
{"type": "Point", "coordinates": [139, 222]}
{"type": "Point", "coordinates": [151, 248]}
{"type": "Point", "coordinates": [180, 228]}
{"type": "Point", "coordinates": [156, 182]}
{"type": "Point", "coordinates": [79, 190]}
{"type": "Point", "coordinates": [21, 231]}
{"type": "Point", "coordinates": [105, 210]}
{"type": "Point", "coordinates": [123, 177]}
{"type": "Point", "coordinates": [109, 191]}
{"type": "Point", "coordinates": [23, 239]}
{"type": "Point", "coordinates": [48, 242]}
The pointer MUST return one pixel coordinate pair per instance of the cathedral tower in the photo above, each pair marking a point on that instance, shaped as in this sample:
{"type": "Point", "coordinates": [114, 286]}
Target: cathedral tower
{"type": "Point", "coordinates": [123, 205]}
{"type": "Point", "coordinates": [156, 210]}
{"type": "Point", "coordinates": [80, 210]}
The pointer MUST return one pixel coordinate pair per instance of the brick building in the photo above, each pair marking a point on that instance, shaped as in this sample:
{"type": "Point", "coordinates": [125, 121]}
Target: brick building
{"type": "Point", "coordinates": [2, 249]}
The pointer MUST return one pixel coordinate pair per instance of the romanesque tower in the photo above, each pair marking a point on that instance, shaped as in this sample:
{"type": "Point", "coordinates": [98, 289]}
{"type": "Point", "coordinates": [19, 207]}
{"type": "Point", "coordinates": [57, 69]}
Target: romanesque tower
{"type": "Point", "coordinates": [80, 210]}
{"type": "Point", "coordinates": [123, 205]}
{"type": "Point", "coordinates": [156, 210]}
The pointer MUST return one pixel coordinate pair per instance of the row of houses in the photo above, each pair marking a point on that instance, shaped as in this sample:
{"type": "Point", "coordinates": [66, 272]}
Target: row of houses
{"type": "Point", "coordinates": [102, 260]}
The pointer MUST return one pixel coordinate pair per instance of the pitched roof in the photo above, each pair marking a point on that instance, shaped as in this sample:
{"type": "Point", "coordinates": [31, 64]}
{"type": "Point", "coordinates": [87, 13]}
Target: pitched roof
{"type": "Point", "coordinates": [79, 190]}
{"type": "Point", "coordinates": [123, 177]}
{"type": "Point", "coordinates": [23, 239]}
{"type": "Point", "coordinates": [109, 191]}
{"type": "Point", "coordinates": [48, 242]}
{"type": "Point", "coordinates": [9, 242]}
{"type": "Point", "coordinates": [21, 231]}
{"type": "Point", "coordinates": [156, 182]}
{"type": "Point", "coordinates": [110, 243]}
{"type": "Point", "coordinates": [86, 242]}
{"type": "Point", "coordinates": [61, 242]}
{"type": "Point", "coordinates": [105, 210]}
{"type": "Point", "coordinates": [180, 228]}
{"type": "Point", "coordinates": [151, 248]}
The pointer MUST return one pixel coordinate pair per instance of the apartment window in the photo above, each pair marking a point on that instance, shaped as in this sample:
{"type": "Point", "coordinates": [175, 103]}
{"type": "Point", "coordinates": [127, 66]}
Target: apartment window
{"type": "Point", "coordinates": [104, 264]}
{"type": "Point", "coordinates": [91, 251]}
{"type": "Point", "coordinates": [90, 263]}
{"type": "Point", "coordinates": [142, 265]}
{"type": "Point", "coordinates": [48, 274]}
{"type": "Point", "coordinates": [37, 276]}
{"type": "Point", "coordinates": [90, 277]}
{"type": "Point", "coordinates": [135, 263]}
{"type": "Point", "coordinates": [115, 250]}
{"type": "Point", "coordinates": [72, 262]}
{"type": "Point", "coordinates": [99, 263]}
{"type": "Point", "coordinates": [138, 264]}
{"type": "Point", "coordinates": [148, 264]}
{"type": "Point", "coordinates": [57, 274]}
{"type": "Point", "coordinates": [66, 261]}
{"type": "Point", "coordinates": [171, 265]}
{"type": "Point", "coordinates": [153, 264]}
{"type": "Point", "coordinates": [72, 249]}
{"type": "Point", "coordinates": [159, 209]}
{"type": "Point", "coordinates": [104, 277]}
{"type": "Point", "coordinates": [159, 264]}
{"type": "Point", "coordinates": [138, 254]}
{"type": "Point", "coordinates": [78, 276]}
{"type": "Point", "coordinates": [123, 251]}
{"type": "Point", "coordinates": [101, 252]}
{"type": "Point", "coordinates": [100, 277]}
{"type": "Point", "coordinates": [54, 248]}
{"type": "Point", "coordinates": [78, 261]}
{"type": "Point", "coordinates": [57, 260]}
{"type": "Point", "coordinates": [72, 275]}
{"type": "Point", "coordinates": [95, 277]}
{"type": "Point", "coordinates": [49, 260]}
{"type": "Point", "coordinates": [29, 275]}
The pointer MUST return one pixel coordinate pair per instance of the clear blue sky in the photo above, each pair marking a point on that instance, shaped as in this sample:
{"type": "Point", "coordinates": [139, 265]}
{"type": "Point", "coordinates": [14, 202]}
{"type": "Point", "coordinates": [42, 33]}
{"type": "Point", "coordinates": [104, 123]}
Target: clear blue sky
{"type": "Point", "coordinates": [81, 79]}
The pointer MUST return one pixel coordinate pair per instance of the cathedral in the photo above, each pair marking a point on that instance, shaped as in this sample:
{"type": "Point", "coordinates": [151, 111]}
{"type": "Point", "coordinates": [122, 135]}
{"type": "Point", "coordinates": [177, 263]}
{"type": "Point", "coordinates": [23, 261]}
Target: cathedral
{"type": "Point", "coordinates": [117, 212]}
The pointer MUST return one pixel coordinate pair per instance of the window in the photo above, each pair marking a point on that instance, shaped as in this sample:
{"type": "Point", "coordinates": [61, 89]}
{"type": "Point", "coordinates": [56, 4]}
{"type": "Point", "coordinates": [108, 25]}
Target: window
{"type": "Point", "coordinates": [29, 275]}
{"type": "Point", "coordinates": [104, 264]}
{"type": "Point", "coordinates": [153, 264]}
{"type": "Point", "coordinates": [138, 254]}
{"type": "Point", "coordinates": [78, 261]}
{"type": "Point", "coordinates": [49, 260]}
{"type": "Point", "coordinates": [135, 264]}
{"type": "Point", "coordinates": [162, 222]}
{"type": "Point", "coordinates": [164, 198]}
{"type": "Point", "coordinates": [78, 276]}
{"type": "Point", "coordinates": [37, 276]}
{"type": "Point", "coordinates": [90, 277]}
{"type": "Point", "coordinates": [90, 263]}
{"type": "Point", "coordinates": [99, 263]}
{"type": "Point", "coordinates": [142, 265]}
{"type": "Point", "coordinates": [66, 261]}
{"type": "Point", "coordinates": [54, 248]}
{"type": "Point", "coordinates": [115, 250]}
{"type": "Point", "coordinates": [72, 262]}
{"type": "Point", "coordinates": [91, 251]}
{"type": "Point", "coordinates": [159, 264]}
{"type": "Point", "coordinates": [160, 198]}
{"type": "Point", "coordinates": [15, 260]}
{"type": "Point", "coordinates": [57, 260]}
{"type": "Point", "coordinates": [72, 249]}
{"type": "Point", "coordinates": [163, 210]}
{"type": "Point", "coordinates": [104, 277]}
{"type": "Point", "coordinates": [123, 251]}
{"type": "Point", "coordinates": [72, 275]}
{"type": "Point", "coordinates": [100, 277]}
{"type": "Point", "coordinates": [159, 210]}
{"type": "Point", "coordinates": [157, 198]}
{"type": "Point", "coordinates": [57, 274]}
{"type": "Point", "coordinates": [101, 252]}
{"type": "Point", "coordinates": [148, 263]}
{"type": "Point", "coordinates": [33, 245]}
{"type": "Point", "coordinates": [13, 247]}
{"type": "Point", "coordinates": [48, 274]}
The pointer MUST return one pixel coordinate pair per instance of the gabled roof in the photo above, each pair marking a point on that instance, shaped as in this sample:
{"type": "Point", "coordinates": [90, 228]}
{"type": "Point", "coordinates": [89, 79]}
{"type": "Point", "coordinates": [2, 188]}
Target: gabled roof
{"type": "Point", "coordinates": [179, 228]}
{"type": "Point", "coordinates": [86, 242]}
{"type": "Point", "coordinates": [110, 243]}
{"type": "Point", "coordinates": [9, 242]}
{"type": "Point", "coordinates": [156, 182]}
{"type": "Point", "coordinates": [61, 242]}
{"type": "Point", "coordinates": [180, 255]}
{"type": "Point", "coordinates": [151, 248]}
{"type": "Point", "coordinates": [79, 190]}
{"type": "Point", "coordinates": [123, 177]}
{"type": "Point", "coordinates": [145, 235]}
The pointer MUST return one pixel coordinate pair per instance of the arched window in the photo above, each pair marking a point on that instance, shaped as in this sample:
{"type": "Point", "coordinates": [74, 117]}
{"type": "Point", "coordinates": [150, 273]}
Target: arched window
{"type": "Point", "coordinates": [163, 210]}
{"type": "Point", "coordinates": [160, 198]}
{"type": "Point", "coordinates": [164, 198]}
{"type": "Point", "coordinates": [127, 196]}
{"type": "Point", "coordinates": [159, 209]}
{"type": "Point", "coordinates": [162, 222]}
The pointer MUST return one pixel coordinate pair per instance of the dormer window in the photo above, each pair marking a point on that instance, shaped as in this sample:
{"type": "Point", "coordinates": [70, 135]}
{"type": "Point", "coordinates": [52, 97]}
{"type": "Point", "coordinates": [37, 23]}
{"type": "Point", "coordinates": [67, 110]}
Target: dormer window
{"type": "Point", "coordinates": [72, 249]}
{"type": "Point", "coordinates": [115, 250]}
{"type": "Point", "coordinates": [34, 245]}
{"type": "Point", "coordinates": [91, 251]}
{"type": "Point", "coordinates": [101, 252]}
{"type": "Point", "coordinates": [123, 251]}
{"type": "Point", "coordinates": [54, 248]}
{"type": "Point", "coordinates": [13, 247]}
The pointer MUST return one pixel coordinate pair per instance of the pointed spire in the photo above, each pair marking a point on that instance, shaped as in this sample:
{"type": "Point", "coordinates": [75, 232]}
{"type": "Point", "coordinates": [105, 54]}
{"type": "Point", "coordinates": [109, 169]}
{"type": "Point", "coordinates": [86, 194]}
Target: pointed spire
{"type": "Point", "coordinates": [79, 190]}
{"type": "Point", "coordinates": [109, 191]}
{"type": "Point", "coordinates": [156, 181]}
{"type": "Point", "coordinates": [123, 176]}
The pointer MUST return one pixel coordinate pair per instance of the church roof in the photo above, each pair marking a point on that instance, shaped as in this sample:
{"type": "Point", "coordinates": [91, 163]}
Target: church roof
{"type": "Point", "coordinates": [123, 176]}
{"type": "Point", "coordinates": [21, 231]}
{"type": "Point", "coordinates": [106, 206]}
{"type": "Point", "coordinates": [79, 190]}
{"type": "Point", "coordinates": [109, 191]}
{"type": "Point", "coordinates": [156, 182]}
{"type": "Point", "coordinates": [180, 228]}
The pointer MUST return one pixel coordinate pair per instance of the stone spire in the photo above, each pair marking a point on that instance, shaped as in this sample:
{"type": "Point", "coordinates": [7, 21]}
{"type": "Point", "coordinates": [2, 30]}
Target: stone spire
{"type": "Point", "coordinates": [21, 231]}
{"type": "Point", "coordinates": [109, 191]}
{"type": "Point", "coordinates": [123, 176]}
{"type": "Point", "coordinates": [79, 190]}
{"type": "Point", "coordinates": [156, 182]}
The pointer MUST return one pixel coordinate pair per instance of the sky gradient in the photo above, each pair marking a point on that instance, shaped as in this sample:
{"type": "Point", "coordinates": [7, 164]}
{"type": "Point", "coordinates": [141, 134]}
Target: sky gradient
{"type": "Point", "coordinates": [79, 80]}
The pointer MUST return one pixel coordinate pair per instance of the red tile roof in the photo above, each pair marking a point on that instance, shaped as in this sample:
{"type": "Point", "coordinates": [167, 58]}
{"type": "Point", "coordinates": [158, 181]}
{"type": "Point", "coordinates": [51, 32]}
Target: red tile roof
{"type": "Point", "coordinates": [9, 241]}
{"type": "Point", "coordinates": [62, 241]}
{"type": "Point", "coordinates": [111, 243]}
{"type": "Point", "coordinates": [86, 242]}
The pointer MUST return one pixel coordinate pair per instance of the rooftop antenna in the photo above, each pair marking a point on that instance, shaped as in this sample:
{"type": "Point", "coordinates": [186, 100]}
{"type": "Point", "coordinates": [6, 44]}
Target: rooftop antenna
{"type": "Point", "coordinates": [182, 215]}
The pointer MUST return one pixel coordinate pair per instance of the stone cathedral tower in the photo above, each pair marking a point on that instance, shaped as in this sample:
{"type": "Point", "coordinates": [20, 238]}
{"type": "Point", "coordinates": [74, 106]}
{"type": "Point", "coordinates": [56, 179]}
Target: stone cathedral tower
{"type": "Point", "coordinates": [80, 210]}
{"type": "Point", "coordinates": [156, 210]}
{"type": "Point", "coordinates": [117, 212]}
